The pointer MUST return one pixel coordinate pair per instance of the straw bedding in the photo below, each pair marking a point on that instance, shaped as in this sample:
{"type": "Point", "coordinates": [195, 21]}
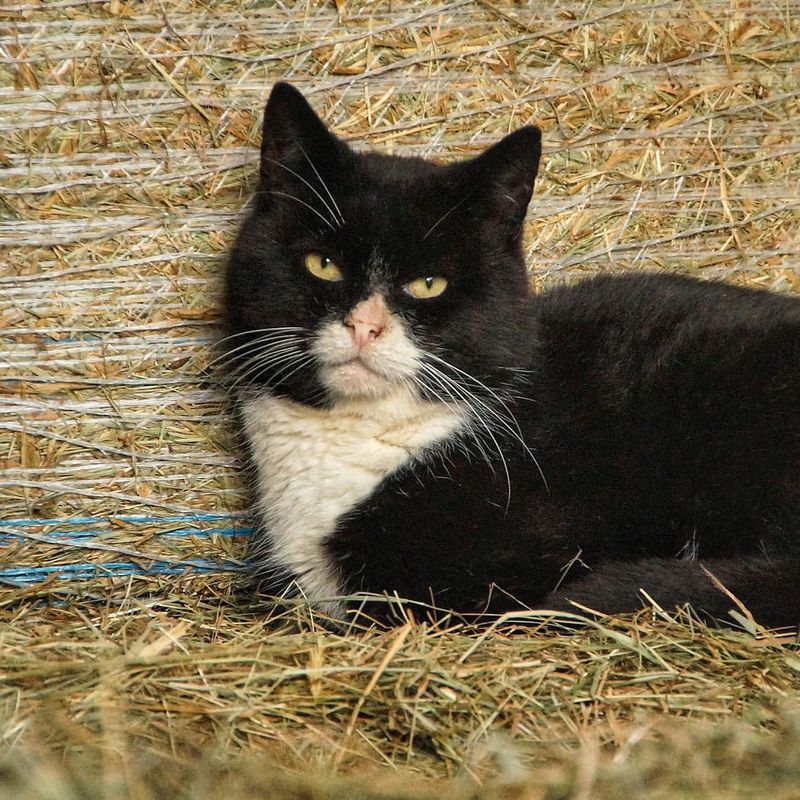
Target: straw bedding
{"type": "Point", "coordinates": [130, 663]}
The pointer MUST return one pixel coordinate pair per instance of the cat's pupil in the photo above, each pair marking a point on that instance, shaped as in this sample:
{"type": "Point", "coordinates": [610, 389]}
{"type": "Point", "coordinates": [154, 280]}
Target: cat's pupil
{"type": "Point", "coordinates": [428, 282]}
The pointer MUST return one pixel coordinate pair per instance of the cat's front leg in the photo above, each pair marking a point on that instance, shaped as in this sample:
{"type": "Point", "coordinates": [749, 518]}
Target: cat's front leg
{"type": "Point", "coordinates": [445, 536]}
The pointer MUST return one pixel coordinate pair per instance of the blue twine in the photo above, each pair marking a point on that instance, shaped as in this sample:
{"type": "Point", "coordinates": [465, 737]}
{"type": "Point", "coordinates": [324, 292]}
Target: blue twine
{"type": "Point", "coordinates": [27, 576]}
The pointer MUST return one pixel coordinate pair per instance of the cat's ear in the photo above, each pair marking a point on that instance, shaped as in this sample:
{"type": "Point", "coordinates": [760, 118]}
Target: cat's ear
{"type": "Point", "coordinates": [293, 133]}
{"type": "Point", "coordinates": [506, 172]}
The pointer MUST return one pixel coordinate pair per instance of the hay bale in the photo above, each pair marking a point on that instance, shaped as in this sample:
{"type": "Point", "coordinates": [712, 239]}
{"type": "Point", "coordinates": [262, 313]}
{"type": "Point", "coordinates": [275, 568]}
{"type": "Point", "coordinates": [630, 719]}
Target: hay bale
{"type": "Point", "coordinates": [129, 141]}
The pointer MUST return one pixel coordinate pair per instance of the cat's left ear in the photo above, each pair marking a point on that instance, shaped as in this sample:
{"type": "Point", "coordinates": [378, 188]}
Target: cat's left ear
{"type": "Point", "coordinates": [507, 171]}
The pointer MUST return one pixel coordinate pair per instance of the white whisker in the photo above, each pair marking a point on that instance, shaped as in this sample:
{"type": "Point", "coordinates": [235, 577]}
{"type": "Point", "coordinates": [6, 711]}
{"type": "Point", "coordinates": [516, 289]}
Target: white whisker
{"type": "Point", "coordinates": [445, 216]}
{"type": "Point", "coordinates": [302, 203]}
{"type": "Point", "coordinates": [297, 175]}
{"type": "Point", "coordinates": [324, 185]}
{"type": "Point", "coordinates": [514, 429]}
{"type": "Point", "coordinates": [251, 331]}
{"type": "Point", "coordinates": [264, 356]}
{"type": "Point", "coordinates": [482, 410]}
{"type": "Point", "coordinates": [261, 365]}
{"type": "Point", "coordinates": [304, 363]}
{"type": "Point", "coordinates": [259, 343]}
{"type": "Point", "coordinates": [462, 399]}
{"type": "Point", "coordinates": [468, 399]}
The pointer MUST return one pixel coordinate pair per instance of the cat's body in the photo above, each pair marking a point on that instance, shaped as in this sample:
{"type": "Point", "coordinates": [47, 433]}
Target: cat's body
{"type": "Point", "coordinates": [422, 425]}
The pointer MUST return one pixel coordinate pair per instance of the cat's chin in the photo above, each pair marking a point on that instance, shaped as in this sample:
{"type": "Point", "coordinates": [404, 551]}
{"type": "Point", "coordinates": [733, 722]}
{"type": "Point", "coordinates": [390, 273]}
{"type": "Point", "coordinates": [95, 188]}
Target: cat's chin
{"type": "Point", "coordinates": [354, 379]}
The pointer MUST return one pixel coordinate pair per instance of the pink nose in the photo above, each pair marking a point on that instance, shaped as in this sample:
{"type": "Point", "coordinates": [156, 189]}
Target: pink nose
{"type": "Point", "coordinates": [367, 320]}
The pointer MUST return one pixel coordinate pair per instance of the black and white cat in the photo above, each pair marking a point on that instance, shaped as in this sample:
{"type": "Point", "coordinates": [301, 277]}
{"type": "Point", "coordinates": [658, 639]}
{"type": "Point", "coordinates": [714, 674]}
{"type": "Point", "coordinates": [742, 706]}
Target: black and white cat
{"type": "Point", "coordinates": [422, 425]}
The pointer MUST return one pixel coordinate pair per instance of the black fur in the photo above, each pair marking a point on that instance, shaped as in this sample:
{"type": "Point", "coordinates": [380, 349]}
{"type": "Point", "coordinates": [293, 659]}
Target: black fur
{"type": "Point", "coordinates": [664, 412]}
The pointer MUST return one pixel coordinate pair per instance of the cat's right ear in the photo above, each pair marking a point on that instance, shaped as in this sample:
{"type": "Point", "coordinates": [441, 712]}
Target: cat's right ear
{"type": "Point", "coordinates": [292, 134]}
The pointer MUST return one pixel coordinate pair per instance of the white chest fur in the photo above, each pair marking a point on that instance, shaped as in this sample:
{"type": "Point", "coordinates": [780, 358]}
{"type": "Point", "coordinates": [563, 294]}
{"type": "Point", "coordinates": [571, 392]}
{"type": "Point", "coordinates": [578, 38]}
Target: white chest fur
{"type": "Point", "coordinates": [314, 465]}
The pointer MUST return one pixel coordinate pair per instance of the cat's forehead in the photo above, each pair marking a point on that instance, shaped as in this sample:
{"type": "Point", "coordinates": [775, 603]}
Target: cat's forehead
{"type": "Point", "coordinates": [395, 181]}
{"type": "Point", "coordinates": [391, 204]}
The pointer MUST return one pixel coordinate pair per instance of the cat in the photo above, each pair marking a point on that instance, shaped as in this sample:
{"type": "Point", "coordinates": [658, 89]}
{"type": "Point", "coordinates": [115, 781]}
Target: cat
{"type": "Point", "coordinates": [421, 425]}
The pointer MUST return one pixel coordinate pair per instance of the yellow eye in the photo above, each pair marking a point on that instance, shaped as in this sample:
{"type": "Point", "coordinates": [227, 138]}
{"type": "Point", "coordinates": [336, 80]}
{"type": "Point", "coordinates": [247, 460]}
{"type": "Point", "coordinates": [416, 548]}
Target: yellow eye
{"type": "Point", "coordinates": [322, 267]}
{"type": "Point", "coordinates": [426, 288]}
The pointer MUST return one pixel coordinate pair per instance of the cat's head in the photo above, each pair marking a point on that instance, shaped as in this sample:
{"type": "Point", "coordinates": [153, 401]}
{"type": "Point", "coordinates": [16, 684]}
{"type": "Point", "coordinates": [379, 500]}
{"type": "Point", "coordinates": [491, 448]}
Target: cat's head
{"type": "Point", "coordinates": [357, 275]}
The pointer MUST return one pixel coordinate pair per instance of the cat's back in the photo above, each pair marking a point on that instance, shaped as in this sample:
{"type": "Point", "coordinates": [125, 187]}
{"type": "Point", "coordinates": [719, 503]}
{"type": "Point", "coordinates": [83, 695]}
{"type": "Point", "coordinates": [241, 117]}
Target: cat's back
{"type": "Point", "coordinates": [634, 326]}
{"type": "Point", "coordinates": [655, 383]}
{"type": "Point", "coordinates": [650, 299]}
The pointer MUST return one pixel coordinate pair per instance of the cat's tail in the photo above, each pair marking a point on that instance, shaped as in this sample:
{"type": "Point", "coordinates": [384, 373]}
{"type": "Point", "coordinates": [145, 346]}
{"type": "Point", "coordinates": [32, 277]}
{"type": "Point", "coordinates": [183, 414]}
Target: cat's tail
{"type": "Point", "coordinates": [768, 588]}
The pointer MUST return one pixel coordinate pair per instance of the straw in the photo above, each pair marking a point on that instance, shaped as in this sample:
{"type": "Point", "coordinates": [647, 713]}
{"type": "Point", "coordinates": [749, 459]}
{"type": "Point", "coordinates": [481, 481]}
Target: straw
{"type": "Point", "coordinates": [128, 149]}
